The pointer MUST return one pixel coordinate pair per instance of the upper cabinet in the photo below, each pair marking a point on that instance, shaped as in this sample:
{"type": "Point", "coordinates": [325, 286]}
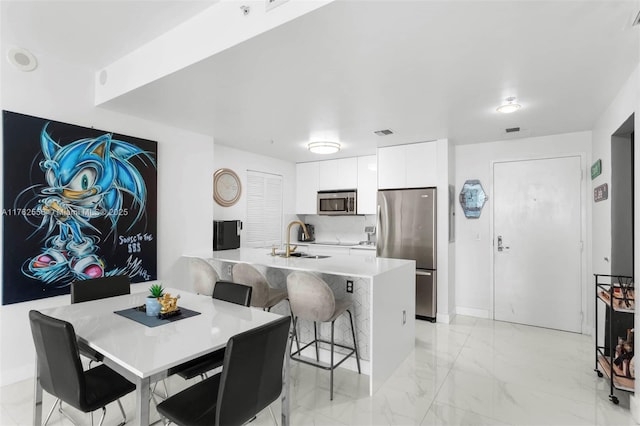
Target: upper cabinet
{"type": "Point", "coordinates": [408, 166]}
{"type": "Point", "coordinates": [338, 174]}
{"type": "Point", "coordinates": [346, 173]}
{"type": "Point", "coordinates": [367, 185]}
{"type": "Point", "coordinates": [307, 177]}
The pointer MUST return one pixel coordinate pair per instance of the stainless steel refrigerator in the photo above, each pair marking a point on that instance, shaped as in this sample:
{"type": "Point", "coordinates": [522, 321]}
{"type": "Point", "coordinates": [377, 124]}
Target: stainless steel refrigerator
{"type": "Point", "coordinates": [407, 230]}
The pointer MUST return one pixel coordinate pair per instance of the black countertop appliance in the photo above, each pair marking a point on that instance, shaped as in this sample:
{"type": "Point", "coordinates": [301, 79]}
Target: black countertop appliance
{"type": "Point", "coordinates": [226, 234]}
{"type": "Point", "coordinates": [312, 233]}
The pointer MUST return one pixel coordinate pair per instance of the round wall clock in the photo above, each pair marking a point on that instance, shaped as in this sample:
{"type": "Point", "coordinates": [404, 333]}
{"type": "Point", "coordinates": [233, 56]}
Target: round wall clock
{"type": "Point", "coordinates": [226, 187]}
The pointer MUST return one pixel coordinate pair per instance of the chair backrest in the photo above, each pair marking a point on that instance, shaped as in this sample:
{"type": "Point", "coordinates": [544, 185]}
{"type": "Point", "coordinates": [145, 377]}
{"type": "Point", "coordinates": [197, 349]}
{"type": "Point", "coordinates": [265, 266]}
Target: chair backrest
{"type": "Point", "coordinates": [99, 288]}
{"type": "Point", "coordinates": [59, 362]}
{"type": "Point", "coordinates": [203, 276]}
{"type": "Point", "coordinates": [252, 372]}
{"type": "Point", "coordinates": [233, 292]}
{"type": "Point", "coordinates": [243, 273]}
{"type": "Point", "coordinates": [310, 297]}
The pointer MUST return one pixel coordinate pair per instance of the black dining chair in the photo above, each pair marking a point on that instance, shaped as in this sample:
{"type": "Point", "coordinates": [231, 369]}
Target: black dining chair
{"type": "Point", "coordinates": [251, 379]}
{"type": "Point", "coordinates": [229, 292]}
{"type": "Point", "coordinates": [94, 289]}
{"type": "Point", "coordinates": [61, 372]}
{"type": "Point", "coordinates": [100, 288]}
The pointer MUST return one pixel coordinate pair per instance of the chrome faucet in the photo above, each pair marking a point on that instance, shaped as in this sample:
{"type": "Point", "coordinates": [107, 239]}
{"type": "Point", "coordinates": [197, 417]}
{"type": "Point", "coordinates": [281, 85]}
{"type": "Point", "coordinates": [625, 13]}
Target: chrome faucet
{"type": "Point", "coordinates": [306, 233]}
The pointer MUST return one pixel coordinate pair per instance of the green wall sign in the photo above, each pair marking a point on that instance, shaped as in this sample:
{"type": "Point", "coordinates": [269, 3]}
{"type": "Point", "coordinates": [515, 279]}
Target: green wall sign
{"type": "Point", "coordinates": [596, 169]}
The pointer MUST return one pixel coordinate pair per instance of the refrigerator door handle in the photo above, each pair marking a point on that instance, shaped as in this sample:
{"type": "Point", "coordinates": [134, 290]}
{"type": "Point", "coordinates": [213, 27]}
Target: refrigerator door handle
{"type": "Point", "coordinates": [380, 241]}
{"type": "Point", "coordinates": [423, 273]}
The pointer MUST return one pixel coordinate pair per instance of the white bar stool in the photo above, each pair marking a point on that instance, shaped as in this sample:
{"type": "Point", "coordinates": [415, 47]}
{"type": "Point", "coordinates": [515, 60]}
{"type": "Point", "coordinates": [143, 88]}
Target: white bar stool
{"type": "Point", "coordinates": [311, 299]}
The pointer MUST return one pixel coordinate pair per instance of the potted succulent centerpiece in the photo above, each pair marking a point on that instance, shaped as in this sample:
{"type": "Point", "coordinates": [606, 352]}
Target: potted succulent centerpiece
{"type": "Point", "coordinates": [153, 306]}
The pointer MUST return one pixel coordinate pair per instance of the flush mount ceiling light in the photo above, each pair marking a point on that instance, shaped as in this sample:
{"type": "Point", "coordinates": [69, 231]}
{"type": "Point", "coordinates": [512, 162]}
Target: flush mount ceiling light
{"type": "Point", "coordinates": [324, 147]}
{"type": "Point", "coordinates": [510, 106]}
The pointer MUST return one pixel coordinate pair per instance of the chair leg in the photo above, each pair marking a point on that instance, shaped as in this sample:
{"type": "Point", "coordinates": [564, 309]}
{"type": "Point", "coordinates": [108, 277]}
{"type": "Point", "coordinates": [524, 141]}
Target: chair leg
{"type": "Point", "coordinates": [294, 335]}
{"type": "Point", "coordinates": [53, 407]}
{"type": "Point", "coordinates": [124, 416]}
{"type": "Point", "coordinates": [275, 422]}
{"type": "Point", "coordinates": [315, 337]}
{"type": "Point", "coordinates": [64, 413]}
{"type": "Point", "coordinates": [333, 323]}
{"type": "Point", "coordinates": [294, 329]}
{"type": "Point", "coordinates": [104, 413]}
{"type": "Point", "coordinates": [355, 343]}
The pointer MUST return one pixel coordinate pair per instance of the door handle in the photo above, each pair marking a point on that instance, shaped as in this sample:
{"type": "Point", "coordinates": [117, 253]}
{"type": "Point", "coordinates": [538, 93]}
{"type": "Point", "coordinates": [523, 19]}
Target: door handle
{"type": "Point", "coordinates": [500, 246]}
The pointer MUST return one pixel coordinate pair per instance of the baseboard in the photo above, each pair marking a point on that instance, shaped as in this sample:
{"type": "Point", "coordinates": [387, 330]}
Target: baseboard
{"type": "Point", "coordinates": [473, 312]}
{"type": "Point", "coordinates": [445, 318]}
{"type": "Point", "coordinates": [15, 375]}
{"type": "Point", "coordinates": [634, 406]}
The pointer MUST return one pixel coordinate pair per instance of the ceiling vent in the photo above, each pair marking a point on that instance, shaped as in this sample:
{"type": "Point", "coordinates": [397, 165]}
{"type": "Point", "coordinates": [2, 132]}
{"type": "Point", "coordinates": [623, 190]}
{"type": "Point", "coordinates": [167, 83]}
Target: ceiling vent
{"type": "Point", "coordinates": [512, 129]}
{"type": "Point", "coordinates": [383, 132]}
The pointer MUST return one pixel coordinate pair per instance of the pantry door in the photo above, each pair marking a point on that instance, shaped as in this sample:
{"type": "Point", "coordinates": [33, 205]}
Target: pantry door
{"type": "Point", "coordinates": [537, 242]}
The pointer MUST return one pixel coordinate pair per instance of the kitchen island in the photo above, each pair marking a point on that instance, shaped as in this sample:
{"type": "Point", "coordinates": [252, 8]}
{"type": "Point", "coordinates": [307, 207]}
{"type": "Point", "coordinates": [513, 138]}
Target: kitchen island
{"type": "Point", "coordinates": [383, 294]}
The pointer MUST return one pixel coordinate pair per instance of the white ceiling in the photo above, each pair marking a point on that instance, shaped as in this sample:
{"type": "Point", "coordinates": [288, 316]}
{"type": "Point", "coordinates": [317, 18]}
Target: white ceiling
{"type": "Point", "coordinates": [92, 32]}
{"type": "Point", "coordinates": [426, 69]}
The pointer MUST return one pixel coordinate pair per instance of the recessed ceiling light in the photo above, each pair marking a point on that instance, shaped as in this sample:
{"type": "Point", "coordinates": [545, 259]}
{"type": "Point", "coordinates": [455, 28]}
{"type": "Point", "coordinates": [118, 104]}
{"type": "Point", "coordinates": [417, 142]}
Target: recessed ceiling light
{"type": "Point", "coordinates": [324, 147]}
{"type": "Point", "coordinates": [510, 106]}
{"type": "Point", "coordinates": [22, 59]}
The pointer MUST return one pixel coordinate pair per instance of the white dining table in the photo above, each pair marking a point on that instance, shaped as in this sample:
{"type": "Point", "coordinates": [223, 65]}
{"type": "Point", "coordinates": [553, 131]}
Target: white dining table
{"type": "Point", "coordinates": [145, 354]}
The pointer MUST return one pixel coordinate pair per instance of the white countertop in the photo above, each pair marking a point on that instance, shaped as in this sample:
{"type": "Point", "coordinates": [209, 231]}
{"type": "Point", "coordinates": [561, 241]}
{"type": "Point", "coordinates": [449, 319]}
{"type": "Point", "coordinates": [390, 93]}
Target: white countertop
{"type": "Point", "coordinates": [355, 266]}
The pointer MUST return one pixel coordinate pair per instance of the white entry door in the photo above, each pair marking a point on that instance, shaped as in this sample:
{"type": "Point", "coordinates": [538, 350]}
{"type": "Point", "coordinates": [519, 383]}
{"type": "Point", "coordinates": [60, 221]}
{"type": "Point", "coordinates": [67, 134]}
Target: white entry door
{"type": "Point", "coordinates": [537, 242]}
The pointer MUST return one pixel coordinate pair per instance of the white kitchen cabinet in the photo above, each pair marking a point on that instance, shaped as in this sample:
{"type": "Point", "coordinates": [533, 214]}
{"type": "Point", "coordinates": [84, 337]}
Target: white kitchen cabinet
{"type": "Point", "coordinates": [367, 184]}
{"type": "Point", "coordinates": [329, 250]}
{"type": "Point", "coordinates": [408, 166]}
{"type": "Point", "coordinates": [307, 177]}
{"type": "Point", "coordinates": [391, 167]}
{"type": "Point", "coordinates": [338, 174]}
{"type": "Point", "coordinates": [357, 251]}
{"type": "Point", "coordinates": [421, 165]}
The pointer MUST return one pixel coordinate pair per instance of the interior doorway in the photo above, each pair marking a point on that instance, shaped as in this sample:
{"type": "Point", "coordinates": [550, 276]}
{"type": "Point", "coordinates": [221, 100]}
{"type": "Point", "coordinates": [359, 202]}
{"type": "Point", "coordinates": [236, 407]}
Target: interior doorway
{"type": "Point", "coordinates": [622, 198]}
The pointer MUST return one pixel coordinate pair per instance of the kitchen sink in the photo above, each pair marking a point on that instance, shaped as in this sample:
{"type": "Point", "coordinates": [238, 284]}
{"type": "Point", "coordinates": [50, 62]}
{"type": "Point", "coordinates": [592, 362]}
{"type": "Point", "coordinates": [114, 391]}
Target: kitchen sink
{"type": "Point", "coordinates": [303, 255]}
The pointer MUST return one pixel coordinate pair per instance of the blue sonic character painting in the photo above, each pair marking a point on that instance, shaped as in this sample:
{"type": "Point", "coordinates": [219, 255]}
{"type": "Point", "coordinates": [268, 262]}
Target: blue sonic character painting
{"type": "Point", "coordinates": [90, 211]}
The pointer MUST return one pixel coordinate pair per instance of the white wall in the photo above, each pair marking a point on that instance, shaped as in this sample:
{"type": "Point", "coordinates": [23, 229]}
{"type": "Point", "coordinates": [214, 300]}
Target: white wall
{"type": "Point", "coordinates": [445, 294]}
{"type": "Point", "coordinates": [241, 161]}
{"type": "Point", "coordinates": [63, 92]}
{"type": "Point", "coordinates": [339, 228]}
{"type": "Point", "coordinates": [620, 109]}
{"type": "Point", "coordinates": [473, 259]}
{"type": "Point", "coordinates": [625, 103]}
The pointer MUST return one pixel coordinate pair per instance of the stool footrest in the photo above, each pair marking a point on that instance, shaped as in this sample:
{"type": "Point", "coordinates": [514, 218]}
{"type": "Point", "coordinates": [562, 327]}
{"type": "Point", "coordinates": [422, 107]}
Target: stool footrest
{"type": "Point", "coordinates": [296, 356]}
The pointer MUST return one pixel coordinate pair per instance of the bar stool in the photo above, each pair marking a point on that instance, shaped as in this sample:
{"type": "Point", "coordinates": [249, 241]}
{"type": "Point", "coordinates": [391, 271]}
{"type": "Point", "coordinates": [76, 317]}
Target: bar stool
{"type": "Point", "coordinates": [311, 299]}
{"type": "Point", "coordinates": [203, 276]}
{"type": "Point", "coordinates": [263, 295]}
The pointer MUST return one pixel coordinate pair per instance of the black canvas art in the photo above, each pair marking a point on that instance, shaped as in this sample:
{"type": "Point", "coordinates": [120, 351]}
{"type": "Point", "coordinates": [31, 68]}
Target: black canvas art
{"type": "Point", "coordinates": [79, 203]}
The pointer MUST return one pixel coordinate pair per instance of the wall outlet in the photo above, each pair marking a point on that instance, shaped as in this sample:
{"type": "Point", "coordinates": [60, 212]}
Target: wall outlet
{"type": "Point", "coordinates": [349, 286]}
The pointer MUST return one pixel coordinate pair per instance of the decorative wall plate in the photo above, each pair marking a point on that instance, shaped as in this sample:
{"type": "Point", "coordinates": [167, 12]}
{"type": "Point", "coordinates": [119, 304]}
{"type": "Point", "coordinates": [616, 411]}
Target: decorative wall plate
{"type": "Point", "coordinates": [226, 187]}
{"type": "Point", "coordinates": [472, 198]}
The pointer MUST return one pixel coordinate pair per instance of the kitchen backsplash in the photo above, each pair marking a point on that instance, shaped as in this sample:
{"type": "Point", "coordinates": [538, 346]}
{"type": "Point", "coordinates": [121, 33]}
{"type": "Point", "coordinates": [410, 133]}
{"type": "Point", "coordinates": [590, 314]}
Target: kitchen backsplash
{"type": "Point", "coordinates": [340, 228]}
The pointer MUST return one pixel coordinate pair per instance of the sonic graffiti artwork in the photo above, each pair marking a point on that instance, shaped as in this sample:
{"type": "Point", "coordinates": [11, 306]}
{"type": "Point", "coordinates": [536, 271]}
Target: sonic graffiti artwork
{"type": "Point", "coordinates": [79, 203]}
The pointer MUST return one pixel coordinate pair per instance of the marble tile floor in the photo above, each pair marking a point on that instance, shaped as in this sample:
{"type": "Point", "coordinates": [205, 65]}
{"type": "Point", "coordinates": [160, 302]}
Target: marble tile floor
{"type": "Point", "coordinates": [470, 372]}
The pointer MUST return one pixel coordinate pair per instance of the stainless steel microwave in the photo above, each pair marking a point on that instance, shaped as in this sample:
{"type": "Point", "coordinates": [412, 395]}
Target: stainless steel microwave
{"type": "Point", "coordinates": [337, 202]}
